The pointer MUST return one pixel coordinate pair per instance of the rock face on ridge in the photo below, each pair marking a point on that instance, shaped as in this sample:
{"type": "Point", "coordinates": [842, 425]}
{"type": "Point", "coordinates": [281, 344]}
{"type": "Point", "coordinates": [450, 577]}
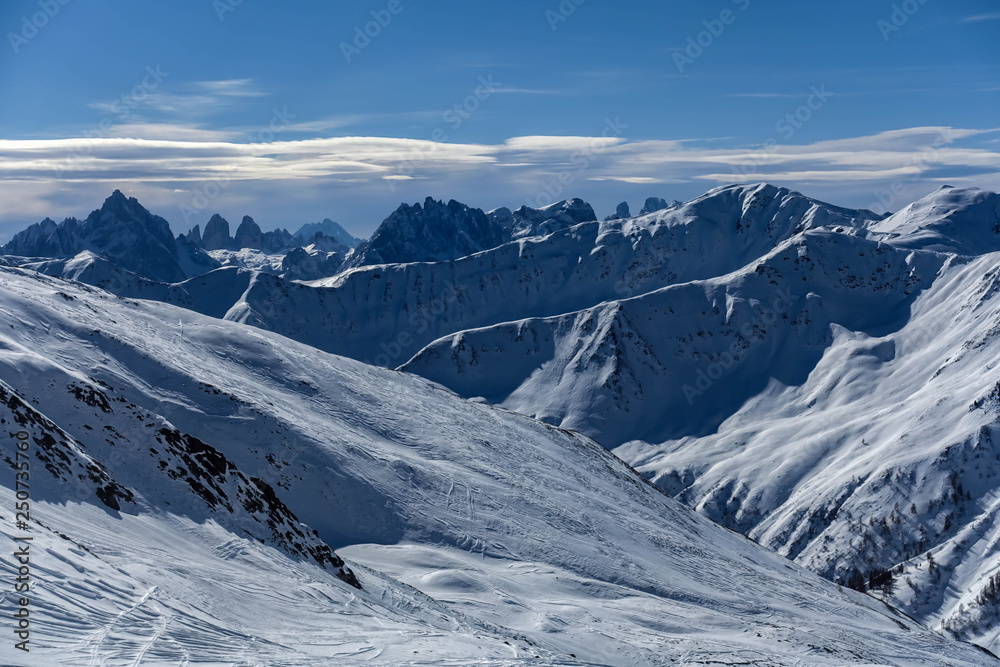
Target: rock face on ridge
{"type": "Point", "coordinates": [431, 232]}
{"type": "Point", "coordinates": [121, 230]}
{"type": "Point", "coordinates": [217, 234]}
{"type": "Point", "coordinates": [249, 235]}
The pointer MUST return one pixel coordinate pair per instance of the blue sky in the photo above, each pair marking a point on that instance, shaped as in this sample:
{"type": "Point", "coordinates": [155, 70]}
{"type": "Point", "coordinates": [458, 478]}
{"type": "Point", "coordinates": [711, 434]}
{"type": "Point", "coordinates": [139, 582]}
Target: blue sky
{"type": "Point", "coordinates": [253, 107]}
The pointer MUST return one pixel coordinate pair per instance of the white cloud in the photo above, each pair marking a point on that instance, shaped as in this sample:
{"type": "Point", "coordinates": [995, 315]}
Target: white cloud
{"type": "Point", "coordinates": [978, 18]}
{"type": "Point", "coordinates": [547, 143]}
{"type": "Point", "coordinates": [818, 175]}
{"type": "Point", "coordinates": [635, 180]}
{"type": "Point", "coordinates": [170, 132]}
{"type": "Point", "coordinates": [199, 98]}
{"type": "Point", "coordinates": [171, 152]}
{"type": "Point", "coordinates": [231, 88]}
{"type": "Point", "coordinates": [172, 163]}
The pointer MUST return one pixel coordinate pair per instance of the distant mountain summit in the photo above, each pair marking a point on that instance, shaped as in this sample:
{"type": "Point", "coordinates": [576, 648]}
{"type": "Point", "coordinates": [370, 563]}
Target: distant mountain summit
{"type": "Point", "coordinates": [437, 232]}
{"type": "Point", "coordinates": [654, 204]}
{"type": "Point", "coordinates": [432, 232]}
{"type": "Point", "coordinates": [127, 235]}
{"type": "Point", "coordinates": [328, 228]}
{"type": "Point", "coordinates": [249, 234]}
{"type": "Point", "coordinates": [121, 231]}
{"type": "Point", "coordinates": [622, 212]}
{"type": "Point", "coordinates": [133, 238]}
{"type": "Point", "coordinates": [217, 234]}
{"type": "Point", "coordinates": [46, 239]}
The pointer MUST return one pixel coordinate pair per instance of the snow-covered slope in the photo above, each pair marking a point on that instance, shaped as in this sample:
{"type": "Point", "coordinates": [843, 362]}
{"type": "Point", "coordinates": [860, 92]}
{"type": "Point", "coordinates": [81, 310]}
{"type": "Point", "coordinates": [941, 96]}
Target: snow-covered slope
{"type": "Point", "coordinates": [528, 222]}
{"type": "Point", "coordinates": [963, 221]}
{"type": "Point", "coordinates": [252, 259]}
{"type": "Point", "coordinates": [535, 544]}
{"type": "Point", "coordinates": [883, 456]}
{"type": "Point", "coordinates": [385, 314]}
{"type": "Point", "coordinates": [681, 359]}
{"type": "Point", "coordinates": [317, 261]}
{"type": "Point", "coordinates": [834, 399]}
{"type": "Point", "coordinates": [309, 264]}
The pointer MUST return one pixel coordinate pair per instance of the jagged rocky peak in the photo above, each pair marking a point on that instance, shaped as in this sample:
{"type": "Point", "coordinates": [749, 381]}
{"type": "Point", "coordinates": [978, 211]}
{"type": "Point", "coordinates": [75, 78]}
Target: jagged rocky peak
{"type": "Point", "coordinates": [249, 234]}
{"type": "Point", "coordinates": [119, 211]}
{"type": "Point", "coordinates": [124, 233]}
{"type": "Point", "coordinates": [46, 239]}
{"type": "Point", "coordinates": [133, 238]}
{"type": "Point", "coordinates": [46, 226]}
{"type": "Point", "coordinates": [276, 241]}
{"type": "Point", "coordinates": [502, 217]}
{"type": "Point", "coordinates": [431, 232]}
{"type": "Point", "coordinates": [552, 218]}
{"type": "Point", "coordinates": [217, 234]}
{"type": "Point", "coordinates": [621, 213]}
{"type": "Point", "coordinates": [654, 204]}
{"type": "Point", "coordinates": [193, 237]}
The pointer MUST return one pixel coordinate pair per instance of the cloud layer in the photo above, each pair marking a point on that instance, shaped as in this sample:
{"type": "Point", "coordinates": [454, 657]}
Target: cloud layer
{"type": "Point", "coordinates": [189, 174]}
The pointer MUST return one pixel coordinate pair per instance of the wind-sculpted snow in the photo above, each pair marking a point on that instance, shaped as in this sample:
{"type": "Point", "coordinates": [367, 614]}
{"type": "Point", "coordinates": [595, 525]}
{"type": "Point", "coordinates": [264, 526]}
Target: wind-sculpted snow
{"type": "Point", "coordinates": [519, 543]}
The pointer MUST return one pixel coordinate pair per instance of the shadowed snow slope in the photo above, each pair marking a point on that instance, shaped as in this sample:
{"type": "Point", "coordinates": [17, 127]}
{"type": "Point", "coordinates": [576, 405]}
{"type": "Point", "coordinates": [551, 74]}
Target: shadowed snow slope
{"type": "Point", "coordinates": [181, 464]}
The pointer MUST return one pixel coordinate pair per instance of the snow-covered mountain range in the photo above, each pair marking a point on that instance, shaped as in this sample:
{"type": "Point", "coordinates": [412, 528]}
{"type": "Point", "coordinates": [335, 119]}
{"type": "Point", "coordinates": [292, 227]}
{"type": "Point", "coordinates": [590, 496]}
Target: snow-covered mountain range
{"type": "Point", "coordinates": [330, 229]}
{"type": "Point", "coordinates": [820, 379]}
{"type": "Point", "coordinates": [127, 235]}
{"type": "Point", "coordinates": [122, 231]}
{"type": "Point", "coordinates": [832, 398]}
{"type": "Point", "coordinates": [210, 493]}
